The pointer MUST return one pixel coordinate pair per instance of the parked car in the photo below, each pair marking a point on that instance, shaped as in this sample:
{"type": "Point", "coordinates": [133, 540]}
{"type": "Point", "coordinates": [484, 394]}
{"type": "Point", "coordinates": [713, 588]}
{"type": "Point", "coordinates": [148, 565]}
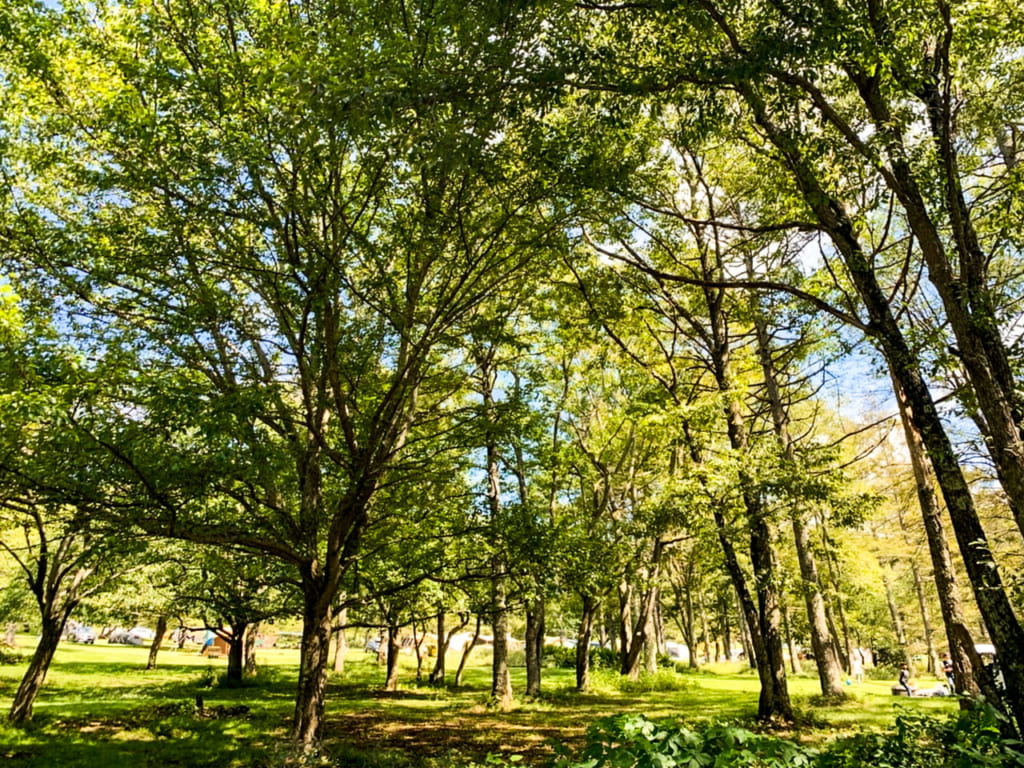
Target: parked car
{"type": "Point", "coordinates": [82, 634]}
{"type": "Point", "coordinates": [124, 637]}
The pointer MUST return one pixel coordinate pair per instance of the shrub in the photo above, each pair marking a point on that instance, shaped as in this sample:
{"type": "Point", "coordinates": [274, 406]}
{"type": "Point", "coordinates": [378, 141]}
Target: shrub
{"type": "Point", "coordinates": [633, 740]}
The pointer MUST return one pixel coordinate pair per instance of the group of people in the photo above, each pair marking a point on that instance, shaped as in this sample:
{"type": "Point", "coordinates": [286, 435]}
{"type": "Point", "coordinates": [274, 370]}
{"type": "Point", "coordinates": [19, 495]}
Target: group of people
{"type": "Point", "coordinates": [947, 670]}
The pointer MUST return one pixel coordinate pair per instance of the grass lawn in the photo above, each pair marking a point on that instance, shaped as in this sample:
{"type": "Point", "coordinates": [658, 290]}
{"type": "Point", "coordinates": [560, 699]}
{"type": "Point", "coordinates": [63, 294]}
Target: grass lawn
{"type": "Point", "coordinates": [100, 708]}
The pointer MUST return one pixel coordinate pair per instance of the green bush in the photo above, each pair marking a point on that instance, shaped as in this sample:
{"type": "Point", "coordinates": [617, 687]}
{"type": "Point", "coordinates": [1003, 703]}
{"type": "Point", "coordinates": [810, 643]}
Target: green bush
{"type": "Point", "coordinates": [972, 739]}
{"type": "Point", "coordinates": [628, 741]}
{"type": "Point", "coordinates": [565, 658]}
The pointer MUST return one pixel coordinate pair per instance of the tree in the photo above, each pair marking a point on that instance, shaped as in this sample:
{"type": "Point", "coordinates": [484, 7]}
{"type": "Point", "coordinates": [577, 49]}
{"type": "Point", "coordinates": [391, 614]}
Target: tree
{"type": "Point", "coordinates": [286, 225]}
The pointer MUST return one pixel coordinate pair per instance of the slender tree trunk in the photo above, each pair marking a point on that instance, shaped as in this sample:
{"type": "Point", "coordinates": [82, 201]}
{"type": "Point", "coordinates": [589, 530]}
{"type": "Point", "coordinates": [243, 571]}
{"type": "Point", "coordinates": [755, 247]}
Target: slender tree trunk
{"type": "Point", "coordinates": [437, 673]}
{"type": "Point", "coordinates": [391, 677]}
{"type": "Point", "coordinates": [158, 638]}
{"type": "Point", "coordinates": [501, 677]}
{"type": "Point", "coordinates": [466, 650]}
{"type": "Point", "coordinates": [745, 637]}
{"type": "Point", "coordinates": [966, 663]}
{"type": "Point", "coordinates": [794, 660]}
{"type": "Point", "coordinates": [625, 623]}
{"type": "Point", "coordinates": [726, 633]}
{"type": "Point", "coordinates": [894, 615]}
{"type": "Point", "coordinates": [829, 675]}
{"type": "Point", "coordinates": [534, 642]}
{"type": "Point", "coordinates": [997, 611]}
{"type": "Point", "coordinates": [922, 604]}
{"type": "Point", "coordinates": [705, 627]}
{"type": "Point", "coordinates": [590, 607]}
{"type": "Point", "coordinates": [35, 675]}
{"type": "Point", "coordinates": [340, 641]}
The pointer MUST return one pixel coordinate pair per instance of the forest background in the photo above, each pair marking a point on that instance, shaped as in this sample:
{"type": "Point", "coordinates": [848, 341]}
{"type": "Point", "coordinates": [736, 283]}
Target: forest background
{"type": "Point", "coordinates": [528, 314]}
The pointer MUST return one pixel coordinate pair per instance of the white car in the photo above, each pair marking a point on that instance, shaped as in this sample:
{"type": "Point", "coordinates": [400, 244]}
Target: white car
{"type": "Point", "coordinates": [82, 634]}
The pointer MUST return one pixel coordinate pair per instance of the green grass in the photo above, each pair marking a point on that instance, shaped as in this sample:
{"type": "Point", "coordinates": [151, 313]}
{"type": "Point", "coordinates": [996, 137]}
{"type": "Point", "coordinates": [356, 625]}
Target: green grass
{"type": "Point", "coordinates": [100, 709]}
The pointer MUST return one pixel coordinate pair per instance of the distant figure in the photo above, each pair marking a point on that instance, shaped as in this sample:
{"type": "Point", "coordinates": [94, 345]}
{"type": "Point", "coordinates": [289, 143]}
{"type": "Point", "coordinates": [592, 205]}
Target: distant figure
{"type": "Point", "coordinates": [905, 679]}
{"type": "Point", "coordinates": [857, 667]}
{"type": "Point", "coordinates": [947, 668]}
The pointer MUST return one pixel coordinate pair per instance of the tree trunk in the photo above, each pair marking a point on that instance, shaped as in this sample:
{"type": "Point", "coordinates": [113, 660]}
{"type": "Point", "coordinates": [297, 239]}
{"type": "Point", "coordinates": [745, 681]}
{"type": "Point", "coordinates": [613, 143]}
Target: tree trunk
{"type": "Point", "coordinates": [534, 642]}
{"type": "Point", "coordinates": [340, 641]}
{"type": "Point", "coordinates": [158, 638]}
{"type": "Point", "coordinates": [391, 678]}
{"type": "Point", "coordinates": [794, 660]}
{"type": "Point", "coordinates": [996, 609]}
{"type": "Point", "coordinates": [922, 604]}
{"type": "Point", "coordinates": [236, 652]}
{"type": "Point", "coordinates": [894, 615]}
{"type": "Point", "coordinates": [501, 677]}
{"type": "Point", "coordinates": [251, 636]}
{"type": "Point", "coordinates": [466, 650]}
{"type": "Point", "coordinates": [35, 675]}
{"type": "Point", "coordinates": [830, 676]}
{"type": "Point", "coordinates": [724, 619]}
{"type": "Point", "coordinates": [314, 656]}
{"type": "Point", "coordinates": [590, 608]}
{"type": "Point", "coordinates": [625, 623]}
{"type": "Point", "coordinates": [705, 627]}
{"type": "Point", "coordinates": [436, 676]}
{"type": "Point", "coordinates": [966, 663]}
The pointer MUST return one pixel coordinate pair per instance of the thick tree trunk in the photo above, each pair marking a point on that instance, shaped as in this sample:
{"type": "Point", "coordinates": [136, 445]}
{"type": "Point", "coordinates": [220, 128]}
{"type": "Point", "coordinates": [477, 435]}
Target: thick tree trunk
{"type": "Point", "coordinates": [158, 638]}
{"type": "Point", "coordinates": [236, 652]}
{"type": "Point", "coordinates": [314, 656]}
{"type": "Point", "coordinates": [590, 608]}
{"type": "Point", "coordinates": [251, 636]}
{"type": "Point", "coordinates": [534, 642]}
{"type": "Point", "coordinates": [35, 675]}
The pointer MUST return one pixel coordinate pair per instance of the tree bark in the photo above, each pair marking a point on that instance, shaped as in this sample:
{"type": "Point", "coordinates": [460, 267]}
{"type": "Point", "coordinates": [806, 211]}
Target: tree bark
{"type": "Point", "coordinates": [251, 637]}
{"type": "Point", "coordinates": [966, 662]}
{"type": "Point", "coordinates": [158, 638]}
{"type": "Point", "coordinates": [391, 676]}
{"type": "Point", "coordinates": [583, 635]}
{"type": "Point", "coordinates": [236, 651]}
{"type": "Point", "coordinates": [35, 675]}
{"type": "Point", "coordinates": [466, 650]}
{"type": "Point", "coordinates": [340, 642]}
{"type": "Point", "coordinates": [314, 655]}
{"type": "Point", "coordinates": [534, 641]}
{"type": "Point", "coordinates": [436, 676]}
{"type": "Point", "coordinates": [996, 609]}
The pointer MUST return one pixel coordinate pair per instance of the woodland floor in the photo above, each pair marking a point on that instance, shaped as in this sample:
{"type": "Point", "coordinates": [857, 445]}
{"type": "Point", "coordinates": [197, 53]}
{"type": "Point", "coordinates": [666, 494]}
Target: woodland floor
{"type": "Point", "coordinates": [101, 709]}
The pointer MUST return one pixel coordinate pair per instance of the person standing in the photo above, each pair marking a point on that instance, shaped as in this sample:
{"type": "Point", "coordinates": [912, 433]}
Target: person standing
{"type": "Point", "coordinates": [905, 679]}
{"type": "Point", "coordinates": [857, 666]}
{"type": "Point", "coordinates": [947, 668]}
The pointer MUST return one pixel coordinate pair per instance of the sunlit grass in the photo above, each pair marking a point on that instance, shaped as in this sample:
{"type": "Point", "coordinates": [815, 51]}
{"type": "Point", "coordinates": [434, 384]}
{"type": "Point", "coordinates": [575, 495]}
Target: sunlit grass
{"type": "Point", "coordinates": [100, 707]}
